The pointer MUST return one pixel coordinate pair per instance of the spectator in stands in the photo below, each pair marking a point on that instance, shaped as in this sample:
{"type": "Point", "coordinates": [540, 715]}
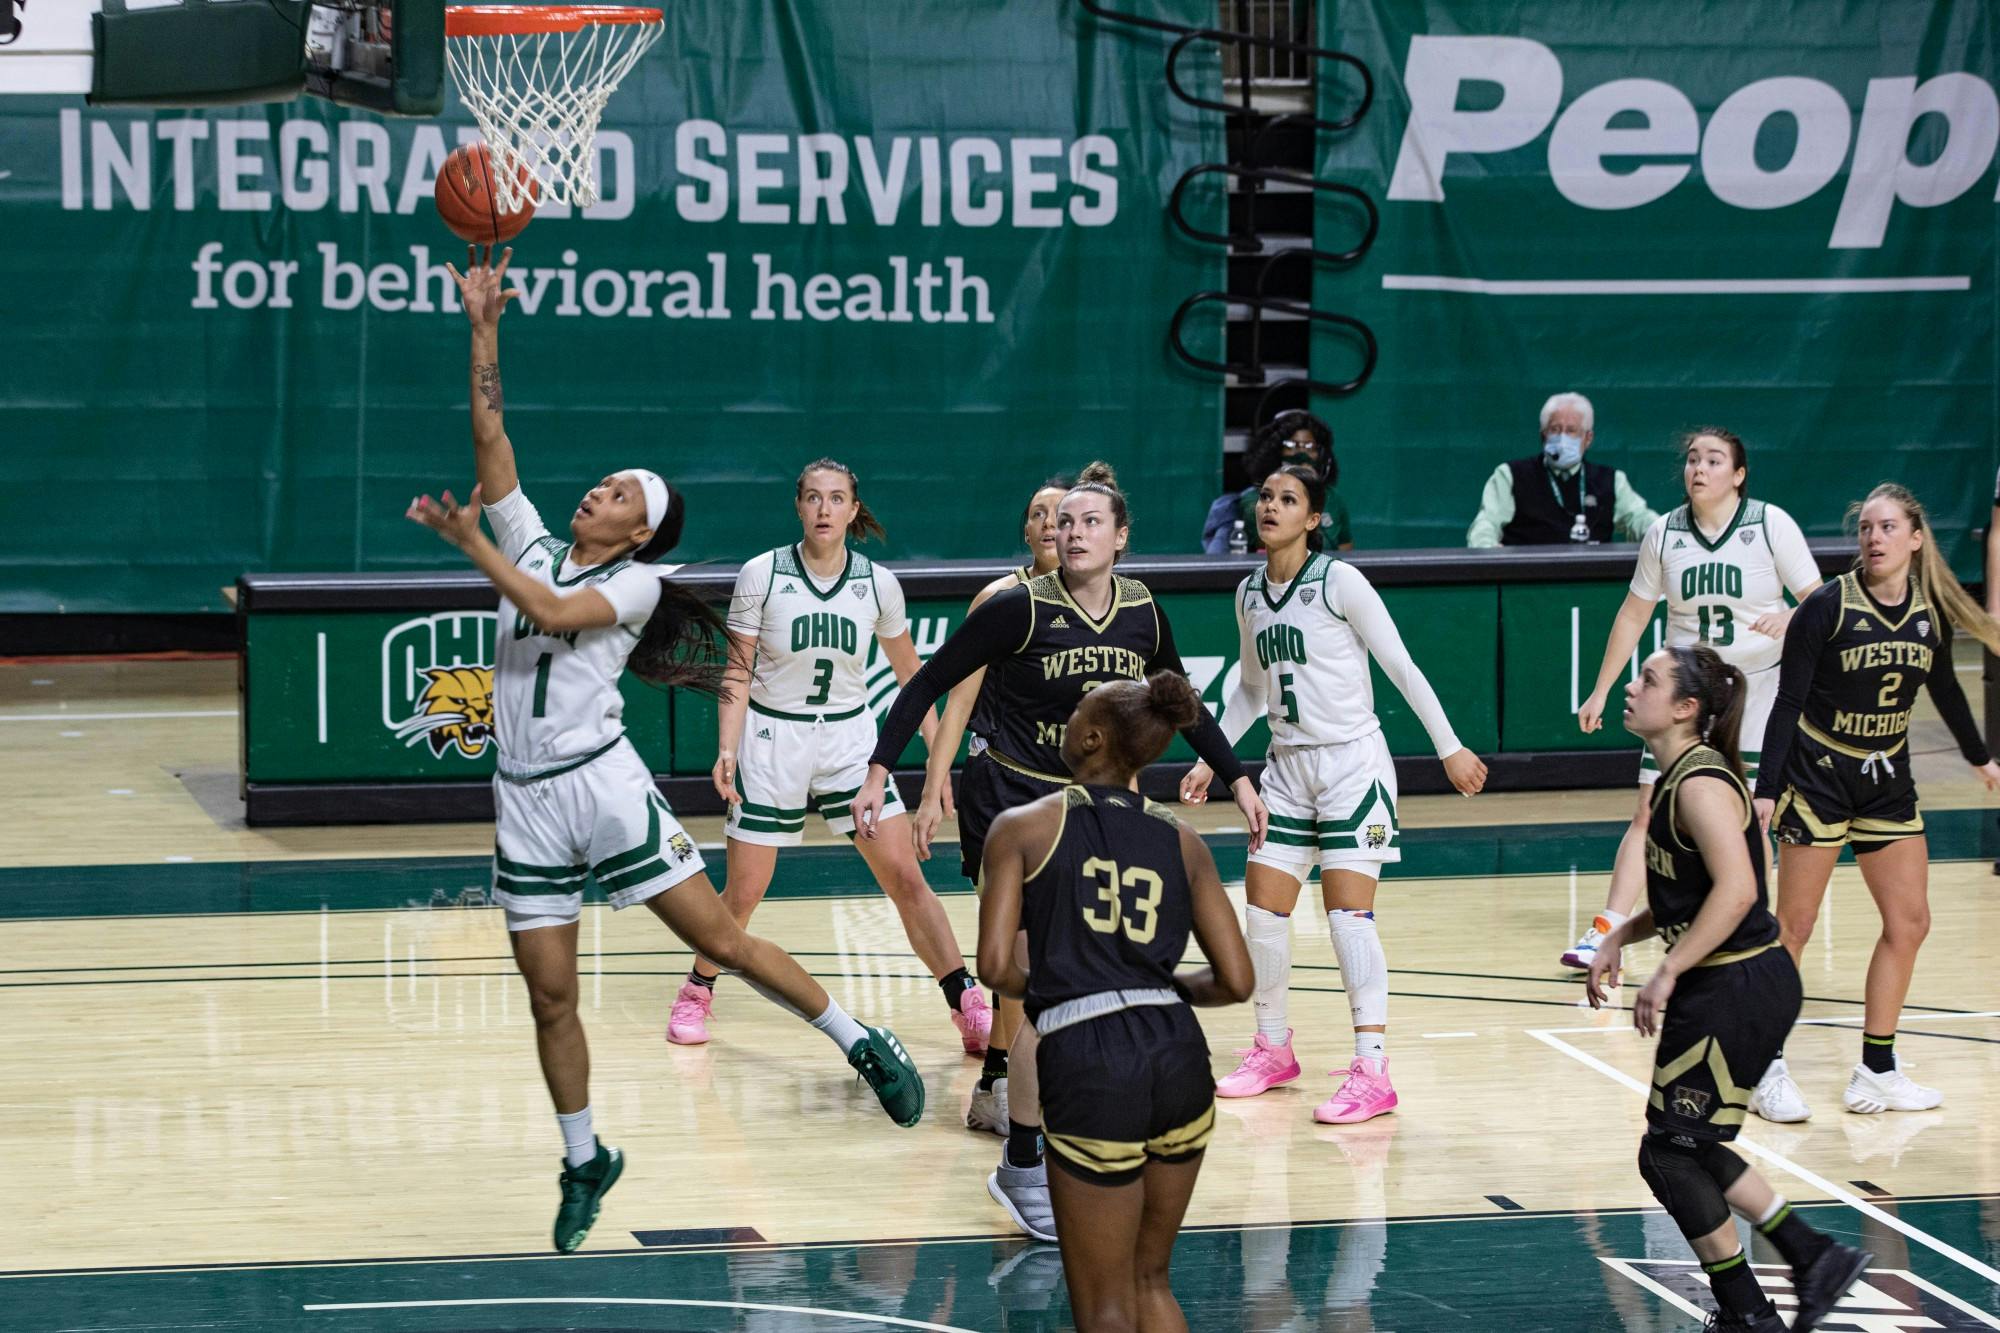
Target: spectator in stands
{"type": "Point", "coordinates": [1555, 495]}
{"type": "Point", "coordinates": [1288, 438]}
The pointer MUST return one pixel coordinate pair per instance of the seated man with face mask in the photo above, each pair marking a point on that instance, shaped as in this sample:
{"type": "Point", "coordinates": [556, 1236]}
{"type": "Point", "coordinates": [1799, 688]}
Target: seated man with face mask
{"type": "Point", "coordinates": [1555, 495]}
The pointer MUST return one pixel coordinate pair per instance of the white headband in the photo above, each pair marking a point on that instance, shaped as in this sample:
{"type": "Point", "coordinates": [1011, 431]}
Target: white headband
{"type": "Point", "coordinates": [656, 494]}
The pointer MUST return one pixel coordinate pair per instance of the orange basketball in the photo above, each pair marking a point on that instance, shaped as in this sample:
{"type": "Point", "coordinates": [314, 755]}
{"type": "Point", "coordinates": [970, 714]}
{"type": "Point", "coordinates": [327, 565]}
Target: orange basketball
{"type": "Point", "coordinates": [466, 202]}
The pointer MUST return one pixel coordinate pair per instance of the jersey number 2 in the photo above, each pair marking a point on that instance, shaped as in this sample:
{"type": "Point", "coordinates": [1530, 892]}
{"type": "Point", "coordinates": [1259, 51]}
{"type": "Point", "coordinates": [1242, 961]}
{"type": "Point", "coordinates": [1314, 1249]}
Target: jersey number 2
{"type": "Point", "coordinates": [822, 680]}
{"type": "Point", "coordinates": [1724, 626]}
{"type": "Point", "coordinates": [1107, 879]}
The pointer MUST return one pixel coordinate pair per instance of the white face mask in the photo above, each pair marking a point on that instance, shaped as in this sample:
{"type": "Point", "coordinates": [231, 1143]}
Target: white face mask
{"type": "Point", "coordinates": [1563, 451]}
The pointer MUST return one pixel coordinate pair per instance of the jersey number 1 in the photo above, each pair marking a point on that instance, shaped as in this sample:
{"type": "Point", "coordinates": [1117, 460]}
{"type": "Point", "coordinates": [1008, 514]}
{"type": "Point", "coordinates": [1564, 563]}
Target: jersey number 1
{"type": "Point", "coordinates": [542, 665]}
{"type": "Point", "coordinates": [1724, 625]}
{"type": "Point", "coordinates": [1107, 879]}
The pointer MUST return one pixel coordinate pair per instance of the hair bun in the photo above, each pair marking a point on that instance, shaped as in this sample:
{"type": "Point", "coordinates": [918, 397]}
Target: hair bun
{"type": "Point", "coordinates": [1098, 472]}
{"type": "Point", "coordinates": [1172, 698]}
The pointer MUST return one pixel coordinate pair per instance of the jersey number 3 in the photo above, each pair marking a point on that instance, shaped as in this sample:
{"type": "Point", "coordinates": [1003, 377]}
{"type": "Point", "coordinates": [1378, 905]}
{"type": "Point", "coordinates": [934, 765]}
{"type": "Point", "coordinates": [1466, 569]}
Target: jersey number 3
{"type": "Point", "coordinates": [822, 681]}
{"type": "Point", "coordinates": [1107, 879]}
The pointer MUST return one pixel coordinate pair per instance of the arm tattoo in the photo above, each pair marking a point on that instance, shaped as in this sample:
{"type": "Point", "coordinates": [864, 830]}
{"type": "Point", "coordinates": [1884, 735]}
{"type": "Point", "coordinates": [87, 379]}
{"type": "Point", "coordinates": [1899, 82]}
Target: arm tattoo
{"type": "Point", "coordinates": [487, 374]}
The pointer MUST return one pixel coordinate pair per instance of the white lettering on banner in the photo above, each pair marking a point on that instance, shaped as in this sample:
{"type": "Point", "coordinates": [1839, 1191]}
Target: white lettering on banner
{"type": "Point", "coordinates": [1529, 76]}
{"type": "Point", "coordinates": [240, 165]}
{"type": "Point", "coordinates": [928, 291]}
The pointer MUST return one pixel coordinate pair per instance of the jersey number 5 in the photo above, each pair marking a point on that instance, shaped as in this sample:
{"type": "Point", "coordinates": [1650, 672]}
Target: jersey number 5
{"type": "Point", "coordinates": [1287, 698]}
{"type": "Point", "coordinates": [1107, 879]}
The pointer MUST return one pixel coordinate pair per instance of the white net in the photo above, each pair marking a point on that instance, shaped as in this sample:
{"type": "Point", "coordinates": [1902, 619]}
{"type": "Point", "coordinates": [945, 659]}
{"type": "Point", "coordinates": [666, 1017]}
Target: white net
{"type": "Point", "coordinates": [538, 96]}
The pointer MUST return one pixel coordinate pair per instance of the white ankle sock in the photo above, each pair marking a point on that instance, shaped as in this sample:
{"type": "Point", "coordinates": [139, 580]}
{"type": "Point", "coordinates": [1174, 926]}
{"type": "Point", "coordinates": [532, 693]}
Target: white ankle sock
{"type": "Point", "coordinates": [1777, 1206]}
{"type": "Point", "coordinates": [579, 1139]}
{"type": "Point", "coordinates": [1371, 1046]}
{"type": "Point", "coordinates": [1612, 920]}
{"type": "Point", "coordinates": [1269, 935]}
{"type": "Point", "coordinates": [1364, 971]}
{"type": "Point", "coordinates": [835, 1023]}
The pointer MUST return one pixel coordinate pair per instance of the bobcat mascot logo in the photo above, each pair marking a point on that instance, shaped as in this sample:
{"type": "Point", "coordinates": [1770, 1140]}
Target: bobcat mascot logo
{"type": "Point", "coordinates": [457, 711]}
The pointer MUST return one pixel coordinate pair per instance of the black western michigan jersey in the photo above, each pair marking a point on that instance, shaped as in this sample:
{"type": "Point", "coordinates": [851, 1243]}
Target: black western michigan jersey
{"type": "Point", "coordinates": [1109, 908]}
{"type": "Point", "coordinates": [1027, 697]}
{"type": "Point", "coordinates": [1849, 680]}
{"type": "Point", "coordinates": [1678, 880]}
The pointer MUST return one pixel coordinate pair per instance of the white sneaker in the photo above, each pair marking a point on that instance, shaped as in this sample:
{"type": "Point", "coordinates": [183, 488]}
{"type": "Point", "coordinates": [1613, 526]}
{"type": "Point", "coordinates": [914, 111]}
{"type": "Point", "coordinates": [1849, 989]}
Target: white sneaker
{"type": "Point", "coordinates": [988, 1110]}
{"type": "Point", "coordinates": [1778, 1098]}
{"type": "Point", "coordinates": [1581, 954]}
{"type": "Point", "coordinates": [1870, 1093]}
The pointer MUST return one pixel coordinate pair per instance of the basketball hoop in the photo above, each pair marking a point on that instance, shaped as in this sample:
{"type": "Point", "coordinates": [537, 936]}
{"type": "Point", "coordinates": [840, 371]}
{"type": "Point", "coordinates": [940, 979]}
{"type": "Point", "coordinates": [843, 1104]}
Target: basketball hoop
{"type": "Point", "coordinates": [536, 78]}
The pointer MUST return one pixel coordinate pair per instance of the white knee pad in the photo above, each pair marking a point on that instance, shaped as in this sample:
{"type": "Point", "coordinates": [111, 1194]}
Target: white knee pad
{"type": "Point", "coordinates": [1364, 970]}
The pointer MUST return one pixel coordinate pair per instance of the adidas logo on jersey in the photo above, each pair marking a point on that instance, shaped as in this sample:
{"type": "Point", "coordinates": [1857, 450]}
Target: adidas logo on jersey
{"type": "Point", "coordinates": [763, 733]}
{"type": "Point", "coordinates": [1826, 761]}
{"type": "Point", "coordinates": [1679, 543]}
{"type": "Point", "coordinates": [788, 588]}
{"type": "Point", "coordinates": [1060, 622]}
{"type": "Point", "coordinates": [1861, 623]}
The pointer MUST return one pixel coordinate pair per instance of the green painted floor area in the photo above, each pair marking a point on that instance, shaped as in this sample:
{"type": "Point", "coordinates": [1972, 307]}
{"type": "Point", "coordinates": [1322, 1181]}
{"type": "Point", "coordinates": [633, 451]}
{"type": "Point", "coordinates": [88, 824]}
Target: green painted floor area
{"type": "Point", "coordinates": [1518, 1272]}
{"type": "Point", "coordinates": [807, 872]}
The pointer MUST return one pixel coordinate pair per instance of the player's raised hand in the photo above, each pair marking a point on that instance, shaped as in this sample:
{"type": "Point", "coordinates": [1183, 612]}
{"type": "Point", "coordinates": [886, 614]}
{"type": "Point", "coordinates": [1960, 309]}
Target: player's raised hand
{"type": "Point", "coordinates": [482, 287]}
{"type": "Point", "coordinates": [1194, 785]}
{"type": "Point", "coordinates": [1466, 772]}
{"type": "Point", "coordinates": [1591, 716]}
{"type": "Point", "coordinates": [456, 523]}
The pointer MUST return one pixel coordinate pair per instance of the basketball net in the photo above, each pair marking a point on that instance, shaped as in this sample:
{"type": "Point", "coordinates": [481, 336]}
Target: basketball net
{"type": "Point", "coordinates": [539, 91]}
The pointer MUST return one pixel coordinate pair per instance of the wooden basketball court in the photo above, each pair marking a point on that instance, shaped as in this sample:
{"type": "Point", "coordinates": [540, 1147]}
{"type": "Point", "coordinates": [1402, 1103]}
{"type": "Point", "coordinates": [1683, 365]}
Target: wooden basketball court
{"type": "Point", "coordinates": [284, 1079]}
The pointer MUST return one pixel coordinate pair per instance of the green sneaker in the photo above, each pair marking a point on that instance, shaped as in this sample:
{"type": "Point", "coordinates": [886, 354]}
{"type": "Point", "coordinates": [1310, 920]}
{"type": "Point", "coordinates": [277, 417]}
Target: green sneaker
{"type": "Point", "coordinates": [583, 1190]}
{"type": "Point", "coordinates": [881, 1060]}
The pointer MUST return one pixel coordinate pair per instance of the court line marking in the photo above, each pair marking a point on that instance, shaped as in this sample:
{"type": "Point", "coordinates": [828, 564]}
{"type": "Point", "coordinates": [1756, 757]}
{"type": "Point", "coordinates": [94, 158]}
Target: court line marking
{"type": "Point", "coordinates": [113, 717]}
{"type": "Point", "coordinates": [1786, 1164]}
{"type": "Point", "coordinates": [1950, 1016]}
{"type": "Point", "coordinates": [887, 1242]}
{"type": "Point", "coordinates": [1788, 1300]}
{"type": "Point", "coordinates": [893, 1321]}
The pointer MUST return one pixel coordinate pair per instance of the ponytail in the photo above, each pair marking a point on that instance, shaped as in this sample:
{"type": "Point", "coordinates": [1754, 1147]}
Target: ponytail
{"type": "Point", "coordinates": [1933, 576]}
{"type": "Point", "coordinates": [683, 644]}
{"type": "Point", "coordinates": [864, 524]}
{"type": "Point", "coordinates": [1718, 689]}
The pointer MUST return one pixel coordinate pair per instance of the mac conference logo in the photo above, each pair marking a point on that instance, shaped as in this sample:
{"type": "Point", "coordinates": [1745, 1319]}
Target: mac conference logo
{"type": "Point", "coordinates": [437, 682]}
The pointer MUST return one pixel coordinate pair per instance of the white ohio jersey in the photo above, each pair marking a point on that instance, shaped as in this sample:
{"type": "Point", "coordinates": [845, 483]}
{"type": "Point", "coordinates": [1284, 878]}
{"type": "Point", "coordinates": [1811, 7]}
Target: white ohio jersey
{"type": "Point", "coordinates": [813, 638]}
{"type": "Point", "coordinates": [1715, 590]}
{"type": "Point", "coordinates": [555, 696]}
{"type": "Point", "coordinates": [1305, 651]}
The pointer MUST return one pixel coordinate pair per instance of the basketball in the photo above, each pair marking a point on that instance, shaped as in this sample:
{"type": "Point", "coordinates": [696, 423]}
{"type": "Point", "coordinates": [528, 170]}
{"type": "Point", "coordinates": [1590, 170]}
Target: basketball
{"type": "Point", "coordinates": [467, 202]}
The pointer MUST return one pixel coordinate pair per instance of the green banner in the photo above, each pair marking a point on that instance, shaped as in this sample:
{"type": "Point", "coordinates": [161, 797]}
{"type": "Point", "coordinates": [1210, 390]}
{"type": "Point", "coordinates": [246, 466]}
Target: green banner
{"type": "Point", "coordinates": [1776, 216]}
{"type": "Point", "coordinates": [904, 233]}
{"type": "Point", "coordinates": [357, 696]}
{"type": "Point", "coordinates": [1552, 639]}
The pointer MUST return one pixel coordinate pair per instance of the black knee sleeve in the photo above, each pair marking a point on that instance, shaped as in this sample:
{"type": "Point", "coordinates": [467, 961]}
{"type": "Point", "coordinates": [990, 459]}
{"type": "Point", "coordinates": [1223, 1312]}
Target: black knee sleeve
{"type": "Point", "coordinates": [1724, 1167]}
{"type": "Point", "coordinates": [1681, 1182]}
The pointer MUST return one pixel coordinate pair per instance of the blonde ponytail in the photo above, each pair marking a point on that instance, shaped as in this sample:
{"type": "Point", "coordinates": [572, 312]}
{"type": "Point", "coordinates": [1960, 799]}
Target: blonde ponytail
{"type": "Point", "coordinates": [1934, 578]}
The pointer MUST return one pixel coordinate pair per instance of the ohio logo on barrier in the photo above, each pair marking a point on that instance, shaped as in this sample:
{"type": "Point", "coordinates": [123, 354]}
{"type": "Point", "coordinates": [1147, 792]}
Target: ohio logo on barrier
{"type": "Point", "coordinates": [437, 682]}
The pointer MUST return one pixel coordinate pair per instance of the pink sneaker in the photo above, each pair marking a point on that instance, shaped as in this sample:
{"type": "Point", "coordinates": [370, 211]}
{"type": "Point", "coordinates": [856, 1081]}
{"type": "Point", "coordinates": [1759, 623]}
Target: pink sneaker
{"type": "Point", "coordinates": [974, 1020]}
{"type": "Point", "coordinates": [1364, 1095]}
{"type": "Point", "coordinates": [687, 1025]}
{"type": "Point", "coordinates": [1264, 1067]}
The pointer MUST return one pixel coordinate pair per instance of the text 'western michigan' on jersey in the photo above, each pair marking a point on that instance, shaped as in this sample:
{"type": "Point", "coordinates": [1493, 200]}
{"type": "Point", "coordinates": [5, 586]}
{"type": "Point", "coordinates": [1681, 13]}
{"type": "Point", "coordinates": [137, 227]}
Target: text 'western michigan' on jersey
{"type": "Point", "coordinates": [1027, 697]}
{"type": "Point", "coordinates": [555, 696]}
{"type": "Point", "coordinates": [1110, 907]}
{"type": "Point", "coordinates": [1678, 879]}
{"type": "Point", "coordinates": [814, 638]}
{"type": "Point", "coordinates": [1305, 650]}
{"type": "Point", "coordinates": [1716, 590]}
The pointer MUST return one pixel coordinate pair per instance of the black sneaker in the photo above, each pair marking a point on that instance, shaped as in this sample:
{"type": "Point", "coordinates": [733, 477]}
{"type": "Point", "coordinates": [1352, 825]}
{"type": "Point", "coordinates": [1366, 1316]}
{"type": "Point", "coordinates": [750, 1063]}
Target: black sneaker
{"type": "Point", "coordinates": [1723, 1322]}
{"type": "Point", "coordinates": [583, 1191]}
{"type": "Point", "coordinates": [1822, 1283]}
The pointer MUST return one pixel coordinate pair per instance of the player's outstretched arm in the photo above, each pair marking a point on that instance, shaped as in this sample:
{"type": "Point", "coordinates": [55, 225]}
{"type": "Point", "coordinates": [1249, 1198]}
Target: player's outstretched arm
{"type": "Point", "coordinates": [483, 290]}
{"type": "Point", "coordinates": [555, 612]}
{"type": "Point", "coordinates": [1626, 630]}
{"type": "Point", "coordinates": [1365, 611]}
